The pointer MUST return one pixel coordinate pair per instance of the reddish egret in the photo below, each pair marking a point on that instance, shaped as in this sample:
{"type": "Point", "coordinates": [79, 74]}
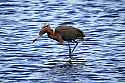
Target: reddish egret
{"type": "Point", "coordinates": [63, 33]}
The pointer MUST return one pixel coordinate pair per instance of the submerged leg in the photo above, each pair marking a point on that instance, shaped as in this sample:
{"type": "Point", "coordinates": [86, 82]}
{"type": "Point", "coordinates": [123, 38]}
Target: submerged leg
{"type": "Point", "coordinates": [74, 46]}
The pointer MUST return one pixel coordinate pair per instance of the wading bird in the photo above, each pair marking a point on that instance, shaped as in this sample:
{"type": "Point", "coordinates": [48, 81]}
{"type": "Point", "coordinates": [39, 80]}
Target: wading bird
{"type": "Point", "coordinates": [63, 33]}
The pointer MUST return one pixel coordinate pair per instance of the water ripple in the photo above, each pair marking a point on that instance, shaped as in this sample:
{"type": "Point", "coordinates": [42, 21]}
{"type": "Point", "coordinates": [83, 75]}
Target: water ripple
{"type": "Point", "coordinates": [98, 59]}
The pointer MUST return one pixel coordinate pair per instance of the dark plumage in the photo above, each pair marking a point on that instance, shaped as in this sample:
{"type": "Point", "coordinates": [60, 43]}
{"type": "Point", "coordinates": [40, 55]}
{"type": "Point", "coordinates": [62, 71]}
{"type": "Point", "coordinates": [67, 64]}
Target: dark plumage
{"type": "Point", "coordinates": [62, 33]}
{"type": "Point", "coordinates": [69, 33]}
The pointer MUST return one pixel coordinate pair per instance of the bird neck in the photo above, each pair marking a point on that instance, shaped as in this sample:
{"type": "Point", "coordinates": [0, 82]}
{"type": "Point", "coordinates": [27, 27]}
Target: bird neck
{"type": "Point", "coordinates": [50, 33]}
{"type": "Point", "coordinates": [56, 36]}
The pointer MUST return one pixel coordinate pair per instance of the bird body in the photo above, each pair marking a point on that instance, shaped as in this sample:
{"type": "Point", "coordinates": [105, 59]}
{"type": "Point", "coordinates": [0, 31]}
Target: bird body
{"type": "Point", "coordinates": [62, 33]}
{"type": "Point", "coordinates": [69, 33]}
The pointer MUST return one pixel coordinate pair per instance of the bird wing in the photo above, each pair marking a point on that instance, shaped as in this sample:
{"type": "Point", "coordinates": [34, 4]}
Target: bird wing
{"type": "Point", "coordinates": [69, 33]}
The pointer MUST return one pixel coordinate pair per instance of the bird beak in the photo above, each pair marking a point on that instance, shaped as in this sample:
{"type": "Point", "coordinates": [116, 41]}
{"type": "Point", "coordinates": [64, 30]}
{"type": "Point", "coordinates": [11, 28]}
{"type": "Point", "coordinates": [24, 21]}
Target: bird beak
{"type": "Point", "coordinates": [40, 35]}
{"type": "Point", "coordinates": [36, 39]}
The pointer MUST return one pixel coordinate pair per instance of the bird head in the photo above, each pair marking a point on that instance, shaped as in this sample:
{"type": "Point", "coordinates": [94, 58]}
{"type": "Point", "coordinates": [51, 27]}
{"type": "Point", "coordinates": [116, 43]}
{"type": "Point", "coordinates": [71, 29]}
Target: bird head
{"type": "Point", "coordinates": [43, 30]}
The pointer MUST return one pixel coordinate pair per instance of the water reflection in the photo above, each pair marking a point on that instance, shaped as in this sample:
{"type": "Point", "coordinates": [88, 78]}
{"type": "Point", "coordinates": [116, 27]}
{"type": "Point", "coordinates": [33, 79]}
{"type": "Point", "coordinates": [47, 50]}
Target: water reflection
{"type": "Point", "coordinates": [66, 71]}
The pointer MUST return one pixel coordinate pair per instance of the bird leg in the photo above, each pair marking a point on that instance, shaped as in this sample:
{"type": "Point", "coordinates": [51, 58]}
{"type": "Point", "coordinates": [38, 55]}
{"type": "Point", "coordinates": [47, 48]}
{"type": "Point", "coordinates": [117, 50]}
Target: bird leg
{"type": "Point", "coordinates": [74, 46]}
{"type": "Point", "coordinates": [70, 52]}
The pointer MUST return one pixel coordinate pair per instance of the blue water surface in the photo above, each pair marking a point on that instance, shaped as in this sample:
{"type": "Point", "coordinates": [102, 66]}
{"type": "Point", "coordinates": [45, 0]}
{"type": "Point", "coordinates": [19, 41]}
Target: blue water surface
{"type": "Point", "coordinates": [100, 58]}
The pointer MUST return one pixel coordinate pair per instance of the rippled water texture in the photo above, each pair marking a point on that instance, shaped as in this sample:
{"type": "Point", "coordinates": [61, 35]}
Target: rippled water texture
{"type": "Point", "coordinates": [99, 59]}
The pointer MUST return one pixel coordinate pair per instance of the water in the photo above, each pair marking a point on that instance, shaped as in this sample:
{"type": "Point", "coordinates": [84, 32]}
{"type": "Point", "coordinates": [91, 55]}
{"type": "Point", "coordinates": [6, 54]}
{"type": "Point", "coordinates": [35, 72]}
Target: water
{"type": "Point", "coordinates": [100, 58]}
